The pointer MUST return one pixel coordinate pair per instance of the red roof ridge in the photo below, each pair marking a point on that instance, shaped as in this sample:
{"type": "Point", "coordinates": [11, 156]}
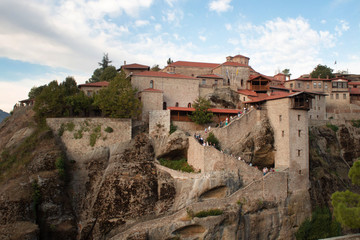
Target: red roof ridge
{"type": "Point", "coordinates": [163, 74]}
{"type": "Point", "coordinates": [95, 84]}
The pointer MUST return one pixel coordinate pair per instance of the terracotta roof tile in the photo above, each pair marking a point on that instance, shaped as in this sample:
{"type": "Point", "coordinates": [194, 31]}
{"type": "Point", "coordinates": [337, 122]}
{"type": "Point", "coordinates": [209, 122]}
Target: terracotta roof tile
{"type": "Point", "coordinates": [247, 92]}
{"type": "Point", "coordinates": [135, 66]}
{"type": "Point", "coordinates": [354, 91]}
{"type": "Point", "coordinates": [152, 90]}
{"type": "Point", "coordinates": [235, 64]}
{"type": "Point", "coordinates": [214, 110]}
{"type": "Point", "coordinates": [162, 74]}
{"type": "Point", "coordinates": [194, 64]}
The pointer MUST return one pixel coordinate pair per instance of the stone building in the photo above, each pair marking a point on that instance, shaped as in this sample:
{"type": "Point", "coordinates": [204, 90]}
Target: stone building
{"type": "Point", "coordinates": [90, 88]}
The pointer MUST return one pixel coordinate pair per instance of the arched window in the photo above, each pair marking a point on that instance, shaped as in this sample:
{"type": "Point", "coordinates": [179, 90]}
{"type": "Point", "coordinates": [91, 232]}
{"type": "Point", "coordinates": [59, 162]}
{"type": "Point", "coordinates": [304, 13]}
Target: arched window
{"type": "Point", "coordinates": [189, 105]}
{"type": "Point", "coordinates": [176, 104]}
{"type": "Point", "coordinates": [151, 84]}
{"type": "Point", "coordinates": [164, 106]}
{"type": "Point", "coordinates": [242, 82]}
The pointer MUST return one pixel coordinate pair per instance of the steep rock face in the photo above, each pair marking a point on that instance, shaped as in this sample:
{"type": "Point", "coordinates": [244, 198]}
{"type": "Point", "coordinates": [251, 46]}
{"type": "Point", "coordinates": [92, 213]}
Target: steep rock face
{"type": "Point", "coordinates": [223, 98]}
{"type": "Point", "coordinates": [331, 155]}
{"type": "Point", "coordinates": [33, 198]}
{"type": "Point", "coordinates": [258, 145]}
{"type": "Point", "coordinates": [121, 188]}
{"type": "Point", "coordinates": [173, 146]}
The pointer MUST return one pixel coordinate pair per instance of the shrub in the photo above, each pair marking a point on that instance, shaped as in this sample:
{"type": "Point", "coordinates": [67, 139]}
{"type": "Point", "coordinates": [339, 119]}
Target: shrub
{"type": "Point", "coordinates": [70, 126]}
{"type": "Point", "coordinates": [206, 213]}
{"type": "Point", "coordinates": [356, 123]}
{"type": "Point", "coordinates": [179, 165]}
{"type": "Point", "coordinates": [61, 130]}
{"type": "Point", "coordinates": [332, 127]}
{"type": "Point", "coordinates": [173, 128]}
{"type": "Point", "coordinates": [109, 129]}
{"type": "Point", "coordinates": [95, 135]}
{"type": "Point", "coordinates": [60, 166]}
{"type": "Point", "coordinates": [321, 225]}
{"type": "Point", "coordinates": [78, 134]}
{"type": "Point", "coordinates": [213, 140]}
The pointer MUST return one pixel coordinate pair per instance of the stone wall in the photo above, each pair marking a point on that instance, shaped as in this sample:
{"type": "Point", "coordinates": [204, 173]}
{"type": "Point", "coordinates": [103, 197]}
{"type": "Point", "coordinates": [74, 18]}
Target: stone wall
{"type": "Point", "coordinates": [318, 108]}
{"type": "Point", "coordinates": [151, 101]}
{"type": "Point", "coordinates": [188, 126]}
{"type": "Point", "coordinates": [176, 90]}
{"type": "Point", "coordinates": [77, 141]}
{"type": "Point", "coordinates": [208, 159]}
{"type": "Point", "coordinates": [237, 129]}
{"type": "Point", "coordinates": [159, 122]}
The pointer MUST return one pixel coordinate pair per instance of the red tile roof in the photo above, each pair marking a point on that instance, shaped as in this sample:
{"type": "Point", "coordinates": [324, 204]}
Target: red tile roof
{"type": "Point", "coordinates": [354, 83]}
{"type": "Point", "coordinates": [210, 76]}
{"type": "Point", "coordinates": [194, 64]}
{"type": "Point", "coordinates": [252, 77]}
{"type": "Point", "coordinates": [241, 56]}
{"type": "Point", "coordinates": [162, 74]}
{"type": "Point", "coordinates": [354, 91]}
{"type": "Point", "coordinates": [95, 84]}
{"type": "Point", "coordinates": [265, 97]}
{"type": "Point", "coordinates": [214, 110]}
{"type": "Point", "coordinates": [312, 79]}
{"type": "Point", "coordinates": [152, 90]}
{"type": "Point", "coordinates": [247, 92]}
{"type": "Point", "coordinates": [135, 66]}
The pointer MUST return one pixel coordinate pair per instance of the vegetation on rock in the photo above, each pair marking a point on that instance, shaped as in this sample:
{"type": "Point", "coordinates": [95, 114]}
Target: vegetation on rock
{"type": "Point", "coordinates": [180, 165]}
{"type": "Point", "coordinates": [321, 225]}
{"type": "Point", "coordinates": [213, 140]}
{"type": "Point", "coordinates": [322, 71]}
{"type": "Point", "coordinates": [201, 115]}
{"type": "Point", "coordinates": [347, 204]}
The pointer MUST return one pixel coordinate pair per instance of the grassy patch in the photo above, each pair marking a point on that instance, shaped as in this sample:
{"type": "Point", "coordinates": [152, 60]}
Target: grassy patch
{"type": "Point", "coordinates": [332, 127]}
{"type": "Point", "coordinates": [180, 165]}
{"type": "Point", "coordinates": [12, 162]}
{"type": "Point", "coordinates": [211, 139]}
{"type": "Point", "coordinates": [356, 123]}
{"type": "Point", "coordinates": [173, 128]}
{"type": "Point", "coordinates": [96, 133]}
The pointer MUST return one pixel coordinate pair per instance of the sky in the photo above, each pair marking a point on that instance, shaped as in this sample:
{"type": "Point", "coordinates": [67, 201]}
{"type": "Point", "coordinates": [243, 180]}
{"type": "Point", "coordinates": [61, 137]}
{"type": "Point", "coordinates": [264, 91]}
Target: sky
{"type": "Point", "coordinates": [45, 40]}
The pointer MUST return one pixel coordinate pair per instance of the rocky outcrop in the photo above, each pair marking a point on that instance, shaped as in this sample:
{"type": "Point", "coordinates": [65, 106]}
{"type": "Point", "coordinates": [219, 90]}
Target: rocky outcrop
{"type": "Point", "coordinates": [223, 98]}
{"type": "Point", "coordinates": [258, 145]}
{"type": "Point", "coordinates": [173, 146]}
{"type": "Point", "coordinates": [332, 153]}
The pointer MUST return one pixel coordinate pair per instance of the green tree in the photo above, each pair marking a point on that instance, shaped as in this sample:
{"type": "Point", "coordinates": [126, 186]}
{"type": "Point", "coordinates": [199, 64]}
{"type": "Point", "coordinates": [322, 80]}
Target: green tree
{"type": "Point", "coordinates": [321, 225]}
{"type": "Point", "coordinates": [118, 100]}
{"type": "Point", "coordinates": [347, 204]}
{"type": "Point", "coordinates": [322, 71]}
{"type": "Point", "coordinates": [108, 74]}
{"type": "Point", "coordinates": [286, 72]}
{"type": "Point", "coordinates": [201, 115]}
{"type": "Point", "coordinates": [35, 91]}
{"type": "Point", "coordinates": [155, 68]}
{"type": "Point", "coordinates": [96, 76]}
{"type": "Point", "coordinates": [105, 61]}
{"type": "Point", "coordinates": [169, 61]}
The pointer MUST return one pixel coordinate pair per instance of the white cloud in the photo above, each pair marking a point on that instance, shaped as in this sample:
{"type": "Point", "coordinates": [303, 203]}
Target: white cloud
{"type": "Point", "coordinates": [220, 5]}
{"type": "Point", "coordinates": [290, 43]}
{"type": "Point", "coordinates": [158, 27]}
{"type": "Point", "coordinates": [141, 23]}
{"type": "Point", "coordinates": [202, 38]}
{"type": "Point", "coordinates": [233, 41]}
{"type": "Point", "coordinates": [323, 21]}
{"type": "Point", "coordinates": [343, 26]}
{"type": "Point", "coordinates": [228, 26]}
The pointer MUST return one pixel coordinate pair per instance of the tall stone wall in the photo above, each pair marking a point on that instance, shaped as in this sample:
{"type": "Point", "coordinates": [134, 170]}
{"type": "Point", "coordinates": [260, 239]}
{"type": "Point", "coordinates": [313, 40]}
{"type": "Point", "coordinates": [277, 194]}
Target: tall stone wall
{"type": "Point", "coordinates": [159, 122]}
{"type": "Point", "coordinates": [77, 140]}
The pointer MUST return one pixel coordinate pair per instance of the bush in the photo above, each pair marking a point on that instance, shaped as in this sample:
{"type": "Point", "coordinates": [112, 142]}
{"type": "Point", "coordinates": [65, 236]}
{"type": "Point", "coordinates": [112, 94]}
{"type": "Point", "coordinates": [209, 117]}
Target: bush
{"type": "Point", "coordinates": [179, 165]}
{"type": "Point", "coordinates": [173, 128]}
{"type": "Point", "coordinates": [95, 135]}
{"type": "Point", "coordinates": [332, 127]}
{"type": "Point", "coordinates": [60, 166]}
{"type": "Point", "coordinates": [321, 225]}
{"type": "Point", "coordinates": [356, 123]}
{"type": "Point", "coordinates": [213, 140]}
{"type": "Point", "coordinates": [109, 129]}
{"type": "Point", "coordinates": [211, 212]}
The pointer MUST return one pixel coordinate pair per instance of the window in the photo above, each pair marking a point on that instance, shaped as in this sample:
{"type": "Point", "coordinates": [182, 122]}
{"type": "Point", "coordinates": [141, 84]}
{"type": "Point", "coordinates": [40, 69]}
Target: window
{"type": "Point", "coordinates": [334, 84]}
{"type": "Point", "coordinates": [164, 106]}
{"type": "Point", "coordinates": [319, 108]}
{"type": "Point", "coordinates": [337, 96]}
{"type": "Point", "coordinates": [299, 85]}
{"type": "Point", "coordinates": [216, 81]}
{"type": "Point", "coordinates": [314, 84]}
{"type": "Point", "coordinates": [344, 95]}
{"type": "Point", "coordinates": [203, 82]}
{"type": "Point", "coordinates": [189, 105]}
{"type": "Point", "coordinates": [299, 151]}
{"type": "Point", "coordinates": [283, 133]}
{"type": "Point", "coordinates": [279, 118]}
{"type": "Point", "coordinates": [176, 104]}
{"type": "Point", "coordinates": [89, 93]}
{"type": "Point", "coordinates": [299, 133]}
{"type": "Point", "coordinates": [319, 84]}
{"type": "Point", "coordinates": [244, 99]}
{"type": "Point", "coordinates": [298, 117]}
{"type": "Point", "coordinates": [291, 85]}
{"type": "Point", "coordinates": [151, 84]}
{"type": "Point", "coordinates": [242, 82]}
{"type": "Point", "coordinates": [331, 96]}
{"type": "Point", "coordinates": [307, 85]}
{"type": "Point", "coordinates": [325, 85]}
